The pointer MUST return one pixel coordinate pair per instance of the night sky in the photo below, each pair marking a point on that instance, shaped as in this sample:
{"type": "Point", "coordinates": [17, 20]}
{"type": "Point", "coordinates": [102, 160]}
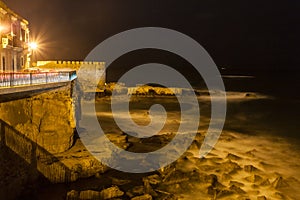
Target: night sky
{"type": "Point", "coordinates": [254, 34]}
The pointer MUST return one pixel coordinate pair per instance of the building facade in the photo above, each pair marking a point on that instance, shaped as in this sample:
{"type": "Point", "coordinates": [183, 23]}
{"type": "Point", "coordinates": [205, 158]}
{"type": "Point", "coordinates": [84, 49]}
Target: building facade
{"type": "Point", "coordinates": [14, 49]}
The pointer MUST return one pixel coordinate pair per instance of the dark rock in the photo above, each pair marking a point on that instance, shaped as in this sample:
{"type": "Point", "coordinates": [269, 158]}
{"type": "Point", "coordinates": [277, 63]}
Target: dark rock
{"type": "Point", "coordinates": [265, 183]}
{"type": "Point", "coordinates": [254, 186]}
{"type": "Point", "coordinates": [230, 167]}
{"type": "Point", "coordinates": [116, 181]}
{"type": "Point", "coordinates": [175, 177]}
{"type": "Point", "coordinates": [211, 179]}
{"type": "Point", "coordinates": [90, 194]}
{"type": "Point", "coordinates": [279, 195]}
{"type": "Point", "coordinates": [250, 169]}
{"type": "Point", "coordinates": [72, 195]}
{"type": "Point", "coordinates": [233, 157]}
{"type": "Point", "coordinates": [261, 198]}
{"type": "Point", "coordinates": [279, 183]}
{"type": "Point", "coordinates": [226, 177]}
{"type": "Point", "coordinates": [111, 192]}
{"type": "Point", "coordinates": [211, 191]}
{"type": "Point", "coordinates": [136, 191]}
{"type": "Point", "coordinates": [169, 197]}
{"type": "Point", "coordinates": [148, 188]}
{"type": "Point", "coordinates": [253, 178]}
{"type": "Point", "coordinates": [153, 179]}
{"type": "Point", "coordinates": [237, 189]}
{"type": "Point", "coordinates": [143, 197]}
{"type": "Point", "coordinates": [251, 153]}
{"type": "Point", "coordinates": [236, 183]}
{"type": "Point", "coordinates": [224, 193]}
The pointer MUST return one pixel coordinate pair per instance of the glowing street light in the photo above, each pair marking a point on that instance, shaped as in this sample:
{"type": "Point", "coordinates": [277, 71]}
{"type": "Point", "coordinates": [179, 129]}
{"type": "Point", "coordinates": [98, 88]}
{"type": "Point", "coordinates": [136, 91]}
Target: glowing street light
{"type": "Point", "coordinates": [33, 46]}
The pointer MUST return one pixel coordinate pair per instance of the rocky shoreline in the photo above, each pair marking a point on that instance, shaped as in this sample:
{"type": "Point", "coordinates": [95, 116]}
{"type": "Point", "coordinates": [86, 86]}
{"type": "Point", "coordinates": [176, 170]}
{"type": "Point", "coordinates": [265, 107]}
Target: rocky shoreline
{"type": "Point", "coordinates": [221, 175]}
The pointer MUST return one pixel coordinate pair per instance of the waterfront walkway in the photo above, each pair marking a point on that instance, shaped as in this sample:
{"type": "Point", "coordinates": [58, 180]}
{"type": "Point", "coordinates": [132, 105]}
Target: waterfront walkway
{"type": "Point", "coordinates": [21, 84]}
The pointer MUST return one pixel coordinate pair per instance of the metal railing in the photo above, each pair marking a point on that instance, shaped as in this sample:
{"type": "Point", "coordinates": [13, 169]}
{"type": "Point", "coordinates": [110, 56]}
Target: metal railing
{"type": "Point", "coordinates": [34, 78]}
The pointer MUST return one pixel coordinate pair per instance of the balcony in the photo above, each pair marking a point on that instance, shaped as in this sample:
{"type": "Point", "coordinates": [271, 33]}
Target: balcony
{"type": "Point", "coordinates": [13, 42]}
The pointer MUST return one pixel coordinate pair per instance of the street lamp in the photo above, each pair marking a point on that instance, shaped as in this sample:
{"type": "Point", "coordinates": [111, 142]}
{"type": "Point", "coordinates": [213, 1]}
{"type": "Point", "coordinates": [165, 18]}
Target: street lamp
{"type": "Point", "coordinates": [33, 46]}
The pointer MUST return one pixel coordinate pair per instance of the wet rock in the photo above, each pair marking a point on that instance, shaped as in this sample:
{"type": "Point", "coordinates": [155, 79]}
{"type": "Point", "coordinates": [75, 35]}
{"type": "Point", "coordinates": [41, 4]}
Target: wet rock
{"type": "Point", "coordinates": [251, 153]}
{"type": "Point", "coordinates": [210, 179]}
{"type": "Point", "coordinates": [265, 165]}
{"type": "Point", "coordinates": [211, 191]}
{"type": "Point", "coordinates": [90, 194]}
{"type": "Point", "coordinates": [279, 195]}
{"type": "Point", "coordinates": [207, 168]}
{"type": "Point", "coordinates": [227, 137]}
{"type": "Point", "coordinates": [231, 156]}
{"type": "Point", "coordinates": [254, 178]}
{"type": "Point", "coordinates": [279, 183]}
{"type": "Point", "coordinates": [226, 177]}
{"type": "Point", "coordinates": [223, 193]}
{"type": "Point", "coordinates": [255, 186]}
{"type": "Point", "coordinates": [230, 167]}
{"type": "Point", "coordinates": [250, 169]}
{"type": "Point", "coordinates": [116, 181]}
{"type": "Point", "coordinates": [265, 182]}
{"type": "Point", "coordinates": [216, 189]}
{"type": "Point", "coordinates": [237, 189]}
{"type": "Point", "coordinates": [188, 155]}
{"type": "Point", "coordinates": [111, 192]}
{"type": "Point", "coordinates": [72, 195]}
{"type": "Point", "coordinates": [120, 140]}
{"type": "Point", "coordinates": [236, 183]}
{"type": "Point", "coordinates": [261, 198]}
{"type": "Point", "coordinates": [210, 154]}
{"type": "Point", "coordinates": [186, 165]}
{"type": "Point", "coordinates": [153, 179]}
{"type": "Point", "coordinates": [148, 188]}
{"type": "Point", "coordinates": [215, 160]}
{"type": "Point", "coordinates": [136, 191]}
{"type": "Point", "coordinates": [243, 198]}
{"type": "Point", "coordinates": [217, 193]}
{"type": "Point", "coordinates": [195, 146]}
{"type": "Point", "coordinates": [169, 197]}
{"type": "Point", "coordinates": [143, 197]}
{"type": "Point", "coordinates": [175, 177]}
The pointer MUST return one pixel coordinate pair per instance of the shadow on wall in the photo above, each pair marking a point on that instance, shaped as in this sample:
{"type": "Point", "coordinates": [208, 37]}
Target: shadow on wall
{"type": "Point", "coordinates": [39, 163]}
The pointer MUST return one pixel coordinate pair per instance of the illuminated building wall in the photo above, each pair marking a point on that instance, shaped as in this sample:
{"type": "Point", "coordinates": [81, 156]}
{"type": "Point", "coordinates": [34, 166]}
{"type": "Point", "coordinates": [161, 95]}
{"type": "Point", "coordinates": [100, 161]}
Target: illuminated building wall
{"type": "Point", "coordinates": [14, 32]}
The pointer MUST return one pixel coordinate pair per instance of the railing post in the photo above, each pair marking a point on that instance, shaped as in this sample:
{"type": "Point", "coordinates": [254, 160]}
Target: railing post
{"type": "Point", "coordinates": [30, 83]}
{"type": "Point", "coordinates": [10, 79]}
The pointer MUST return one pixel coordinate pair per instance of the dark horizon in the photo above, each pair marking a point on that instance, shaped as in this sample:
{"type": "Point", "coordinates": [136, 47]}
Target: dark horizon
{"type": "Point", "coordinates": [248, 34]}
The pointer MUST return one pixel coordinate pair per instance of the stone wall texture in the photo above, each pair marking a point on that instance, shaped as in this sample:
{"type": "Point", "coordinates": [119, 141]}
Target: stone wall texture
{"type": "Point", "coordinates": [47, 119]}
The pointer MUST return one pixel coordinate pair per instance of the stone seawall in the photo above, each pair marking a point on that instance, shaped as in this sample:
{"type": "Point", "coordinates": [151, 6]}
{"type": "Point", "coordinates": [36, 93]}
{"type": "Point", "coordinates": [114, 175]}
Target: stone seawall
{"type": "Point", "coordinates": [47, 119]}
{"type": "Point", "coordinates": [41, 131]}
